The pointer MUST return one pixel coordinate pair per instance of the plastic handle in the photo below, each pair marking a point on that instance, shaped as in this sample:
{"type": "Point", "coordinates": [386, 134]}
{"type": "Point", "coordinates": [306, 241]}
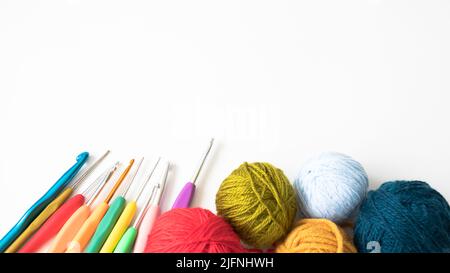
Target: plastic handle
{"type": "Point", "coordinates": [51, 227]}
{"type": "Point", "coordinates": [125, 244]}
{"type": "Point", "coordinates": [119, 229]}
{"type": "Point", "coordinates": [69, 230]}
{"type": "Point", "coordinates": [38, 221]}
{"type": "Point", "coordinates": [152, 212]}
{"type": "Point", "coordinates": [106, 225]}
{"type": "Point", "coordinates": [184, 198]}
{"type": "Point", "coordinates": [37, 207]}
{"type": "Point", "coordinates": [87, 230]}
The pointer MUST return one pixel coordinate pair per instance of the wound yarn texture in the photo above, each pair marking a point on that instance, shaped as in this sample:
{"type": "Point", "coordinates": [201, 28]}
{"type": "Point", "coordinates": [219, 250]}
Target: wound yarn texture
{"type": "Point", "coordinates": [259, 202]}
{"type": "Point", "coordinates": [331, 186]}
{"type": "Point", "coordinates": [316, 236]}
{"type": "Point", "coordinates": [403, 217]}
{"type": "Point", "coordinates": [192, 230]}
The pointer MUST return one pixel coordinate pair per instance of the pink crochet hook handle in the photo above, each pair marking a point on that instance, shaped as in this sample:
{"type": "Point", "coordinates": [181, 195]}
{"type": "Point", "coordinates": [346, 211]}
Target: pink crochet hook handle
{"type": "Point", "coordinates": [184, 198]}
{"type": "Point", "coordinates": [151, 213]}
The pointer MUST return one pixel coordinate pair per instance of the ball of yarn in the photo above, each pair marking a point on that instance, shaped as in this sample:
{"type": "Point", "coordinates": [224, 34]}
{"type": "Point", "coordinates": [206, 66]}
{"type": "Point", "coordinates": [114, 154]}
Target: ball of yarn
{"type": "Point", "coordinates": [259, 202]}
{"type": "Point", "coordinates": [331, 186]}
{"type": "Point", "coordinates": [316, 236]}
{"type": "Point", "coordinates": [403, 217]}
{"type": "Point", "coordinates": [192, 230]}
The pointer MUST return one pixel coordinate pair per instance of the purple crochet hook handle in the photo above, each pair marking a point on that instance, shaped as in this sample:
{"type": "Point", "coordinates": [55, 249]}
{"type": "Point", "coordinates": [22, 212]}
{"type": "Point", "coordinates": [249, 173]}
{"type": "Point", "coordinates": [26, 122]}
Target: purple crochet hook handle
{"type": "Point", "coordinates": [184, 198]}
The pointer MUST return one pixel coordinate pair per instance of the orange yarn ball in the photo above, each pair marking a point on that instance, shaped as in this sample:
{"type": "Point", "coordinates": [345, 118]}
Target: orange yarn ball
{"type": "Point", "coordinates": [316, 236]}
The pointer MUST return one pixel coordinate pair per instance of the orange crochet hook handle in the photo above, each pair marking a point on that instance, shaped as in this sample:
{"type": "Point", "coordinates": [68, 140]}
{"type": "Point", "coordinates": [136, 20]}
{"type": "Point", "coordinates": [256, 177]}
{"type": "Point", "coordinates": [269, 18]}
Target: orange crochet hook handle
{"type": "Point", "coordinates": [75, 222]}
{"type": "Point", "coordinates": [69, 230]}
{"type": "Point", "coordinates": [85, 233]}
{"type": "Point", "coordinates": [87, 230]}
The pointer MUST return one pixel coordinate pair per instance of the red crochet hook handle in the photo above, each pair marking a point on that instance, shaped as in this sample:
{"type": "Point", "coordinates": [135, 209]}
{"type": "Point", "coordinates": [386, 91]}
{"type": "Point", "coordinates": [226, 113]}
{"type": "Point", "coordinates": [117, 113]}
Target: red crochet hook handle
{"type": "Point", "coordinates": [51, 227]}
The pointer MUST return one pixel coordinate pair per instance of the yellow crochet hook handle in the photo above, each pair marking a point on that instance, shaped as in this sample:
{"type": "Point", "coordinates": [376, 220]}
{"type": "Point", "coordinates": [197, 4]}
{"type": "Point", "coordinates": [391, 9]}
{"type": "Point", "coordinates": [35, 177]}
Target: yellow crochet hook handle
{"type": "Point", "coordinates": [71, 227]}
{"type": "Point", "coordinates": [125, 219]}
{"type": "Point", "coordinates": [38, 221]}
{"type": "Point", "coordinates": [86, 231]}
{"type": "Point", "coordinates": [119, 229]}
{"type": "Point", "coordinates": [52, 207]}
{"type": "Point", "coordinates": [108, 221]}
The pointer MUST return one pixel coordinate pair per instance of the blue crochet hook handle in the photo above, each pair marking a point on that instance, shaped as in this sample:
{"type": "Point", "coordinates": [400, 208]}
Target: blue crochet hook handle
{"type": "Point", "coordinates": [51, 194]}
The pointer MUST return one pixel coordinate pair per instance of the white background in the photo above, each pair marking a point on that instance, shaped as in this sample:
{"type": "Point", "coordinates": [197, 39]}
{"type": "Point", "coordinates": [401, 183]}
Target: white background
{"type": "Point", "coordinates": [276, 81]}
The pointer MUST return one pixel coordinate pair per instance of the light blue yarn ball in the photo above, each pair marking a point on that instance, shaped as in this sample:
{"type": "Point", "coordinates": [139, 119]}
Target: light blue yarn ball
{"type": "Point", "coordinates": [331, 186]}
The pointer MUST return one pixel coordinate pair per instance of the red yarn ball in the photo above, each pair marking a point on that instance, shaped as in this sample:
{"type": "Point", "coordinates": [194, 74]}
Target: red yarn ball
{"type": "Point", "coordinates": [192, 230]}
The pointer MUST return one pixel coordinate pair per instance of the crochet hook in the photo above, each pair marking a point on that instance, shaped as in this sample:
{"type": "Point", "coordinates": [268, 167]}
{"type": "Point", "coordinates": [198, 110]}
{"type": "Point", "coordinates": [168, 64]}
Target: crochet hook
{"type": "Point", "coordinates": [37, 207]}
{"type": "Point", "coordinates": [52, 226]}
{"type": "Point", "coordinates": [75, 221]}
{"type": "Point", "coordinates": [184, 198]}
{"type": "Point", "coordinates": [52, 207]}
{"type": "Point", "coordinates": [106, 224]}
{"type": "Point", "coordinates": [125, 219]}
{"type": "Point", "coordinates": [137, 234]}
{"type": "Point", "coordinates": [89, 226]}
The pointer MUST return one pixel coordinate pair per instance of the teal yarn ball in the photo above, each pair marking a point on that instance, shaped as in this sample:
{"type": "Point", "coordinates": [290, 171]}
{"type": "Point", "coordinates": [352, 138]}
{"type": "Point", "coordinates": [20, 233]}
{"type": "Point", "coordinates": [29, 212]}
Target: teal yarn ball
{"type": "Point", "coordinates": [403, 217]}
{"type": "Point", "coordinates": [331, 186]}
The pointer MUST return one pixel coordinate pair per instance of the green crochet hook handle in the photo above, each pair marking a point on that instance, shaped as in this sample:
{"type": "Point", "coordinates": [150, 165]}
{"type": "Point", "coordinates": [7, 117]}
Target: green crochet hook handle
{"type": "Point", "coordinates": [126, 243]}
{"type": "Point", "coordinates": [106, 225]}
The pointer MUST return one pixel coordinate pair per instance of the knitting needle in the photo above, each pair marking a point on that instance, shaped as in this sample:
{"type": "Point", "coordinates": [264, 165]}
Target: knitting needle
{"type": "Point", "coordinates": [89, 226]}
{"type": "Point", "coordinates": [52, 207]}
{"type": "Point", "coordinates": [185, 196]}
{"type": "Point", "coordinates": [125, 219]}
{"type": "Point", "coordinates": [107, 223]}
{"type": "Point", "coordinates": [71, 227]}
{"type": "Point", "coordinates": [137, 234]}
{"type": "Point", "coordinates": [37, 207]}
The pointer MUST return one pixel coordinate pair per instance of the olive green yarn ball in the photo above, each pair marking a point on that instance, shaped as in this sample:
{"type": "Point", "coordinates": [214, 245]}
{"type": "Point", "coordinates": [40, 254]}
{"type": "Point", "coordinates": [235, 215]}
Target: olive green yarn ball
{"type": "Point", "coordinates": [259, 202]}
